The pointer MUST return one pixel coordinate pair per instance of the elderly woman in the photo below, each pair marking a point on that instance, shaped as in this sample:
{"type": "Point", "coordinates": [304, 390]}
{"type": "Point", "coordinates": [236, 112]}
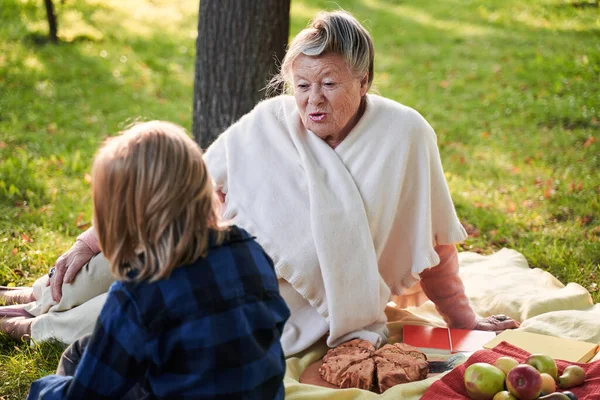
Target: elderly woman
{"type": "Point", "coordinates": [345, 191]}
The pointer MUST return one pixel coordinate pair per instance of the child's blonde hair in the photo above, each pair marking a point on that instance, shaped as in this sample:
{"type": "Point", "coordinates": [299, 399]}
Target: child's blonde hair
{"type": "Point", "coordinates": [154, 202]}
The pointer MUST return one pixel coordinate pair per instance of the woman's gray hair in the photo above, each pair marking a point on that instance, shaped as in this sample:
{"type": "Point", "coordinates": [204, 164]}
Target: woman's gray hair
{"type": "Point", "coordinates": [336, 32]}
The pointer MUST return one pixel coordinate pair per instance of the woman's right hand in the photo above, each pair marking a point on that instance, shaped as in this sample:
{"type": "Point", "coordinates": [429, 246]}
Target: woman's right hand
{"type": "Point", "coordinates": [70, 263]}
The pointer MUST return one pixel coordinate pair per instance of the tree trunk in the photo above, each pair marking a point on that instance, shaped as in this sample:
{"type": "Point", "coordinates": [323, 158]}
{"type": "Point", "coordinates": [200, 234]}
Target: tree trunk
{"type": "Point", "coordinates": [237, 51]}
{"type": "Point", "coordinates": [51, 20]}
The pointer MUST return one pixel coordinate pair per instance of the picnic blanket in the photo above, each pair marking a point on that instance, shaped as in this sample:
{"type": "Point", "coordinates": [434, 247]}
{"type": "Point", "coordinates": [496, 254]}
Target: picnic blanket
{"type": "Point", "coordinates": [501, 283]}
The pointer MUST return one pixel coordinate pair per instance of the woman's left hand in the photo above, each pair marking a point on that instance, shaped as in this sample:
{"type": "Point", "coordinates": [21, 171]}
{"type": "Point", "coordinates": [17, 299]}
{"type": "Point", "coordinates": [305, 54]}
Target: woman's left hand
{"type": "Point", "coordinates": [496, 323]}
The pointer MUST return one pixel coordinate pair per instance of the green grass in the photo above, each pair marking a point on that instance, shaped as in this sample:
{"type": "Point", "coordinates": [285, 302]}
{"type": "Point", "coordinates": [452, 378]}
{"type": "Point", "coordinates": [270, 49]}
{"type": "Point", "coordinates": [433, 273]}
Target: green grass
{"type": "Point", "coordinates": [511, 88]}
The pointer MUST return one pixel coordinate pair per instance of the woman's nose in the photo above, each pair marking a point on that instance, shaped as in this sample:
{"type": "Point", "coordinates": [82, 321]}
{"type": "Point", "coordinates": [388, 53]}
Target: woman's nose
{"type": "Point", "coordinates": [315, 96]}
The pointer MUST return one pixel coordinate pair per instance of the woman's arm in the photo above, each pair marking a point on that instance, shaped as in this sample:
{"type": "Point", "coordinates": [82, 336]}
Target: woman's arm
{"type": "Point", "coordinates": [69, 264]}
{"type": "Point", "coordinates": [445, 289]}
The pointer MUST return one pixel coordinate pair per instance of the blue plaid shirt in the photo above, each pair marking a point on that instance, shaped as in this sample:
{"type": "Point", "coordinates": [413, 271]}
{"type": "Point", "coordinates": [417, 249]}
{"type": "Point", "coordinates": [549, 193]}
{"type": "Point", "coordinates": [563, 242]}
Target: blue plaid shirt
{"type": "Point", "coordinates": [210, 331]}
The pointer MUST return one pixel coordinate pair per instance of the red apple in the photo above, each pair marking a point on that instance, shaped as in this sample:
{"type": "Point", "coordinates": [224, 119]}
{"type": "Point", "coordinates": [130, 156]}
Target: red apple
{"type": "Point", "coordinates": [483, 381]}
{"type": "Point", "coordinates": [544, 364]}
{"type": "Point", "coordinates": [524, 382]}
{"type": "Point", "coordinates": [505, 364]}
{"type": "Point", "coordinates": [548, 384]}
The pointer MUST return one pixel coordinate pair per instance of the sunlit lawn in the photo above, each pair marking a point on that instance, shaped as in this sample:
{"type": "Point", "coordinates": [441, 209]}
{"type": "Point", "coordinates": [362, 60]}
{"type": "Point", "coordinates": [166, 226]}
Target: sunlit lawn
{"type": "Point", "coordinates": [511, 88]}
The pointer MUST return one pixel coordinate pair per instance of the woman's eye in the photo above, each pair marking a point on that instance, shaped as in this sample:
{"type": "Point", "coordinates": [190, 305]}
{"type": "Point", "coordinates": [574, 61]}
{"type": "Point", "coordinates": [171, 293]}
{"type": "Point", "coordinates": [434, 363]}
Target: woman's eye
{"type": "Point", "coordinates": [302, 86]}
{"type": "Point", "coordinates": [329, 84]}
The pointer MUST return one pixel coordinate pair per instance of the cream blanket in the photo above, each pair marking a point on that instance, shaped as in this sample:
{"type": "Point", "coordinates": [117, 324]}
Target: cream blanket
{"type": "Point", "coordinates": [499, 283]}
{"type": "Point", "coordinates": [345, 226]}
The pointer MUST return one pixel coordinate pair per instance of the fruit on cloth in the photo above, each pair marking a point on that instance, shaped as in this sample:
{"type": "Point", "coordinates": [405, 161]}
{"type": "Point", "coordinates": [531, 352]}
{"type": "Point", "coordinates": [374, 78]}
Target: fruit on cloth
{"type": "Point", "coordinates": [555, 396]}
{"type": "Point", "coordinates": [548, 384]}
{"type": "Point", "coordinates": [544, 364]}
{"type": "Point", "coordinates": [505, 364]}
{"type": "Point", "coordinates": [483, 381]}
{"type": "Point", "coordinates": [504, 395]}
{"type": "Point", "coordinates": [524, 382]}
{"type": "Point", "coordinates": [571, 395]}
{"type": "Point", "coordinates": [572, 376]}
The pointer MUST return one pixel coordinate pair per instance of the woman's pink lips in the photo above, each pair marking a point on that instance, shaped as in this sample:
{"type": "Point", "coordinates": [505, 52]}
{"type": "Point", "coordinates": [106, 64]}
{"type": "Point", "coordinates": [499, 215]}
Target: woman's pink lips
{"type": "Point", "coordinates": [316, 117]}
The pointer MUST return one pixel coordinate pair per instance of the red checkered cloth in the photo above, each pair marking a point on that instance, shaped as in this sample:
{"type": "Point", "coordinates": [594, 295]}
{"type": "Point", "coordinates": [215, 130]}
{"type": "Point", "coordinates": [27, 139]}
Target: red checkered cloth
{"type": "Point", "coordinates": [452, 386]}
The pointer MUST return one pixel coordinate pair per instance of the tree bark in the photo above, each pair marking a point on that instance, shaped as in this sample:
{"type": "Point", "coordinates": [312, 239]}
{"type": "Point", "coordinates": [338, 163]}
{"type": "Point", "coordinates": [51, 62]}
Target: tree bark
{"type": "Point", "coordinates": [53, 34]}
{"type": "Point", "coordinates": [237, 51]}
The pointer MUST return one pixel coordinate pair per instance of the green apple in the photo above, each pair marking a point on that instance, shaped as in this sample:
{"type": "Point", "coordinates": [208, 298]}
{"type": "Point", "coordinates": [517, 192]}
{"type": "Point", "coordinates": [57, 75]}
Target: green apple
{"type": "Point", "coordinates": [505, 364]}
{"type": "Point", "coordinates": [483, 381]}
{"type": "Point", "coordinates": [544, 364]}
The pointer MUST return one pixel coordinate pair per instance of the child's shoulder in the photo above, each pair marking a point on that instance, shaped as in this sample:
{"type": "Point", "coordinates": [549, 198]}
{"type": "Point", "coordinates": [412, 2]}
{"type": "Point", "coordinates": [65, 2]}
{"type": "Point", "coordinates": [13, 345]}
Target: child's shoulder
{"type": "Point", "coordinates": [238, 250]}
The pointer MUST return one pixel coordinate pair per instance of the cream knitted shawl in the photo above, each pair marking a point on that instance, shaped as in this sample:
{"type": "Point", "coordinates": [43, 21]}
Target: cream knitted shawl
{"type": "Point", "coordinates": [344, 226]}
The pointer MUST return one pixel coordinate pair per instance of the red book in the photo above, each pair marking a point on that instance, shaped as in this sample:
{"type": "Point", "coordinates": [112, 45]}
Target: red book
{"type": "Point", "coordinates": [445, 340]}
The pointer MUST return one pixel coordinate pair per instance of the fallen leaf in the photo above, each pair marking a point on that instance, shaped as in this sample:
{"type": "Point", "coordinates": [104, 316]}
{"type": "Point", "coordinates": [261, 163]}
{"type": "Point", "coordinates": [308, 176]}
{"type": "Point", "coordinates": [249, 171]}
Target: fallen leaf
{"type": "Point", "coordinates": [538, 181]}
{"type": "Point", "coordinates": [515, 170]}
{"type": "Point", "coordinates": [444, 84]}
{"type": "Point", "coordinates": [2, 145]}
{"type": "Point", "coordinates": [512, 207]}
{"type": "Point", "coordinates": [14, 251]}
{"type": "Point", "coordinates": [548, 192]}
{"type": "Point", "coordinates": [478, 250]}
{"type": "Point", "coordinates": [79, 219]}
{"type": "Point", "coordinates": [485, 135]}
{"type": "Point", "coordinates": [589, 141]}
{"type": "Point", "coordinates": [51, 128]}
{"type": "Point", "coordinates": [579, 186]}
{"type": "Point", "coordinates": [472, 231]}
{"type": "Point", "coordinates": [528, 203]}
{"type": "Point", "coordinates": [586, 219]}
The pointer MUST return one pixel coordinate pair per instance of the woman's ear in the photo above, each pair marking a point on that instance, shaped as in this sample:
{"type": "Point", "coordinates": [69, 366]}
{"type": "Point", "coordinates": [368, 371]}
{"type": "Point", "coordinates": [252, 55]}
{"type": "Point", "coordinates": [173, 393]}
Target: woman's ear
{"type": "Point", "coordinates": [364, 84]}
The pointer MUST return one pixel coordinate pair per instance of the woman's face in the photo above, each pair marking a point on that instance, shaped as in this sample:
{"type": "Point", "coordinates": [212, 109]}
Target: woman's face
{"type": "Point", "coordinates": [328, 95]}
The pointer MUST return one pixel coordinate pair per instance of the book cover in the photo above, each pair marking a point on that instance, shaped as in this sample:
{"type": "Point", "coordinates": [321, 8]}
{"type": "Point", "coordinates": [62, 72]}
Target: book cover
{"type": "Point", "coordinates": [445, 340]}
{"type": "Point", "coordinates": [468, 340]}
{"type": "Point", "coordinates": [555, 347]}
{"type": "Point", "coordinates": [427, 338]}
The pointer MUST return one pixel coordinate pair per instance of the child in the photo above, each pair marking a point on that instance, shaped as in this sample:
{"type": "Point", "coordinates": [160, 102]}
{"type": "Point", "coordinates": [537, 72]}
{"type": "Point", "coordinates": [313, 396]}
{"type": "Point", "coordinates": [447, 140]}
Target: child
{"type": "Point", "coordinates": [196, 311]}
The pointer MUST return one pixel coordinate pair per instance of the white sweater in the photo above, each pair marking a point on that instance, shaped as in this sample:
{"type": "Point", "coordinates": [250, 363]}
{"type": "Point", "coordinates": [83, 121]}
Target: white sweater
{"type": "Point", "coordinates": [344, 226]}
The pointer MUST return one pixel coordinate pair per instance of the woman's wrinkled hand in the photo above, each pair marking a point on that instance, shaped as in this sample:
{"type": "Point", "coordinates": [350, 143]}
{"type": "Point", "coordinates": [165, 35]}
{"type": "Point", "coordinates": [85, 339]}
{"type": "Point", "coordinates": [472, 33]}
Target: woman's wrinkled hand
{"type": "Point", "coordinates": [68, 266]}
{"type": "Point", "coordinates": [496, 323]}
